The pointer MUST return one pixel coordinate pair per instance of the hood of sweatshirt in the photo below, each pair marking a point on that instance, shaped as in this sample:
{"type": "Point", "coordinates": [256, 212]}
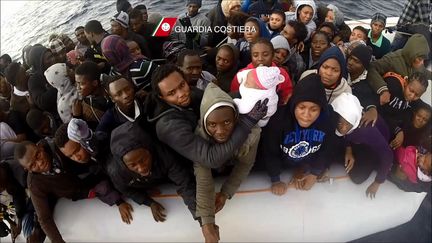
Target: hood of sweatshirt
{"type": "Point", "coordinates": [36, 57]}
{"type": "Point", "coordinates": [416, 46]}
{"type": "Point", "coordinates": [127, 137]}
{"type": "Point", "coordinates": [213, 98]}
{"type": "Point", "coordinates": [299, 3]}
{"type": "Point", "coordinates": [311, 89]}
{"type": "Point", "coordinates": [338, 15]}
{"type": "Point", "coordinates": [336, 53]}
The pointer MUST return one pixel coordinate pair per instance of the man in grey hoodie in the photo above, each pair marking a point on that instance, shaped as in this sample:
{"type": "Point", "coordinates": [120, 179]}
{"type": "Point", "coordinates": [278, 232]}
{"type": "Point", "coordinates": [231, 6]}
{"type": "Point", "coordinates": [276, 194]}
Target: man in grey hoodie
{"type": "Point", "coordinates": [217, 123]}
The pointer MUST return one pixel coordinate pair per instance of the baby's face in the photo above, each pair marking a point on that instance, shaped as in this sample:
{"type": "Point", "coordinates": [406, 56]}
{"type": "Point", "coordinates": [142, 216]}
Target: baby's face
{"type": "Point", "coordinates": [421, 118]}
{"type": "Point", "coordinates": [251, 82]}
{"type": "Point", "coordinates": [424, 163]}
{"type": "Point", "coordinates": [276, 21]}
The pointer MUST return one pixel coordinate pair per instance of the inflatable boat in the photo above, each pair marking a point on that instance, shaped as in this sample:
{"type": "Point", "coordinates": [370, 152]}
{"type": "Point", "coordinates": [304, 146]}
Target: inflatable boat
{"type": "Point", "coordinates": [333, 211]}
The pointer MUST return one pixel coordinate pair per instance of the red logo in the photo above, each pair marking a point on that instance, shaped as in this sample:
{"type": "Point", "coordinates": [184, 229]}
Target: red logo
{"type": "Point", "coordinates": [164, 28]}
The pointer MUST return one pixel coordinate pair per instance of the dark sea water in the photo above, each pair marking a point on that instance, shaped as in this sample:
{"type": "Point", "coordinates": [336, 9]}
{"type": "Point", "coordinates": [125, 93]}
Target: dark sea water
{"type": "Point", "coordinates": [36, 20]}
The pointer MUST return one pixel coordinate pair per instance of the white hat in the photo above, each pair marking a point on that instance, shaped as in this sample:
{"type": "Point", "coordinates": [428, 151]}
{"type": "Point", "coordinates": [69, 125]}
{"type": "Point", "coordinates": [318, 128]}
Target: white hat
{"type": "Point", "coordinates": [122, 18]}
{"type": "Point", "coordinates": [348, 107]}
{"type": "Point", "coordinates": [267, 77]}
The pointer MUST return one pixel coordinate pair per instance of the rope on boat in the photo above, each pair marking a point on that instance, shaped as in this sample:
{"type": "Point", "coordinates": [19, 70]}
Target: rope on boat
{"type": "Point", "coordinates": [251, 191]}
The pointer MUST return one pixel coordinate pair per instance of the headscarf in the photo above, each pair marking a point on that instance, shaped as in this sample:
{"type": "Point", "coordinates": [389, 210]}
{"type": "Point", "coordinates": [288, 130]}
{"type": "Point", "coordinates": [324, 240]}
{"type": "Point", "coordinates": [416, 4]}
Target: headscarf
{"type": "Point", "coordinates": [348, 107]}
{"type": "Point", "coordinates": [57, 77]}
{"type": "Point", "coordinates": [116, 51]}
{"type": "Point", "coordinates": [228, 5]}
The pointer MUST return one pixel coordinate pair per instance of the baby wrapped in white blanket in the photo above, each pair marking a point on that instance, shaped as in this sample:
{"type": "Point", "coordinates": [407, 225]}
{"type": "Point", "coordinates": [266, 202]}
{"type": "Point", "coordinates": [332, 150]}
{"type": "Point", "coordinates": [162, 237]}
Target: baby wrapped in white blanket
{"type": "Point", "coordinates": [257, 84]}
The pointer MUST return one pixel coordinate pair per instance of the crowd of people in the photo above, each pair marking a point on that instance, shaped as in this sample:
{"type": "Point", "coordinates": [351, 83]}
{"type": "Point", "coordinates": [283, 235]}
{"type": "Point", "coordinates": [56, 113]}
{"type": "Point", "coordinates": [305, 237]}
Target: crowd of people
{"type": "Point", "coordinates": [119, 112]}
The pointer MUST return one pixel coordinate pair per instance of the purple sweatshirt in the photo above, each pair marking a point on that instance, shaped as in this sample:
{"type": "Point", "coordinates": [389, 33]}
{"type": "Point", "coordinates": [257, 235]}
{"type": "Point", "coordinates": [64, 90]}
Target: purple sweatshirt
{"type": "Point", "coordinates": [377, 138]}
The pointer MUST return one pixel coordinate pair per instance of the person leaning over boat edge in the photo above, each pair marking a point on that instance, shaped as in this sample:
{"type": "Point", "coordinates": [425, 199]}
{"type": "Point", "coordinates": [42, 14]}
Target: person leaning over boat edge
{"type": "Point", "coordinates": [298, 134]}
{"type": "Point", "coordinates": [404, 62]}
{"type": "Point", "coordinates": [139, 163]}
{"type": "Point", "coordinates": [218, 120]}
{"type": "Point", "coordinates": [174, 109]}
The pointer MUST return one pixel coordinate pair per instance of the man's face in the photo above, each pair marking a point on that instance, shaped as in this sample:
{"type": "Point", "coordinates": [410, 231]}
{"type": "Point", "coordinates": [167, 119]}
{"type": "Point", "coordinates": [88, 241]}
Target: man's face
{"type": "Point", "coordinates": [116, 28]}
{"type": "Point", "coordinates": [89, 37]}
{"type": "Point", "coordinates": [22, 77]}
{"type": "Point", "coordinates": [355, 66]}
{"type": "Point", "coordinates": [289, 33]}
{"type": "Point", "coordinates": [48, 59]}
{"type": "Point", "coordinates": [139, 161]}
{"type": "Point", "coordinates": [418, 63]}
{"type": "Point", "coordinates": [122, 93]}
{"type": "Point", "coordinates": [35, 159]}
{"type": "Point", "coordinates": [224, 60]}
{"type": "Point", "coordinates": [220, 123]}
{"type": "Point", "coordinates": [85, 87]}
{"type": "Point", "coordinates": [192, 68]}
{"type": "Point", "coordinates": [192, 9]}
{"type": "Point", "coordinates": [68, 42]}
{"type": "Point", "coordinates": [144, 15]}
{"type": "Point", "coordinates": [80, 35]}
{"type": "Point", "coordinates": [175, 90]}
{"type": "Point", "coordinates": [135, 24]}
{"type": "Point", "coordinates": [3, 64]}
{"type": "Point", "coordinates": [75, 152]}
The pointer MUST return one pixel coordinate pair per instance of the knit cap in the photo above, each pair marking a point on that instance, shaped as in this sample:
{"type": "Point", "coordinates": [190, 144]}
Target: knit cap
{"type": "Point", "coordinates": [379, 17]}
{"type": "Point", "coordinates": [122, 18]}
{"type": "Point", "coordinates": [363, 53]}
{"type": "Point", "coordinates": [56, 46]}
{"type": "Point", "coordinates": [197, 2]}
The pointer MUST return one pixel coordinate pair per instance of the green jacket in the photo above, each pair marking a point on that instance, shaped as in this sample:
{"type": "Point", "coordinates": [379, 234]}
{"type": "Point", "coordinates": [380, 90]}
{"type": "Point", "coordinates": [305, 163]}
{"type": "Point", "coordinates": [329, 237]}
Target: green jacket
{"type": "Point", "coordinates": [399, 61]}
{"type": "Point", "coordinates": [245, 158]}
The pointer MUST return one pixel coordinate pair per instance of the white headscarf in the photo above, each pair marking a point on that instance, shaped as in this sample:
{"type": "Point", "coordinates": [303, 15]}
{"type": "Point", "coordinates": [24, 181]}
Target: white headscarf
{"type": "Point", "coordinates": [348, 106]}
{"type": "Point", "coordinates": [67, 93]}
